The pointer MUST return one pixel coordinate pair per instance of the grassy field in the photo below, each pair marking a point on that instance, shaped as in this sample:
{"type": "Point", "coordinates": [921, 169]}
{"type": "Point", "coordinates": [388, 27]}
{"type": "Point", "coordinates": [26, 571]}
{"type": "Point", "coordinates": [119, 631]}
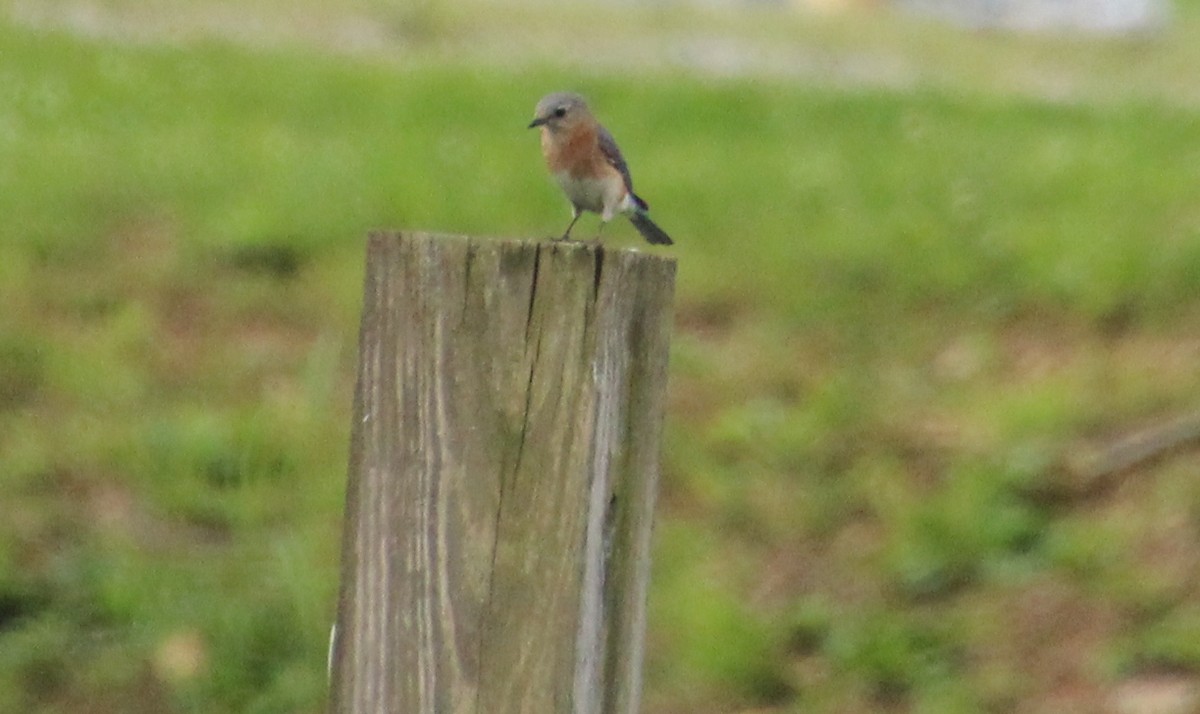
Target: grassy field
{"type": "Point", "coordinates": [912, 309]}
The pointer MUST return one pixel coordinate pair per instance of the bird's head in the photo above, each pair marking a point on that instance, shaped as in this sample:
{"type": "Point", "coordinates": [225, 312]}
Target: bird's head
{"type": "Point", "coordinates": [560, 111]}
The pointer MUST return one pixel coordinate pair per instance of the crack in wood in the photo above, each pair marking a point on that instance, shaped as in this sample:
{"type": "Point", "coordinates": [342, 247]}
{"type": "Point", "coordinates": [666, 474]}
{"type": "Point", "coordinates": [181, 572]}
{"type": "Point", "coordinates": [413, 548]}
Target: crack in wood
{"type": "Point", "coordinates": [537, 261]}
{"type": "Point", "coordinates": [599, 267]}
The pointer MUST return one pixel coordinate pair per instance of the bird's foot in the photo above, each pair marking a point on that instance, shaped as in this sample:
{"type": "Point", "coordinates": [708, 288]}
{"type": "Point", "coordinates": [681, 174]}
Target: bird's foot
{"type": "Point", "coordinates": [566, 237]}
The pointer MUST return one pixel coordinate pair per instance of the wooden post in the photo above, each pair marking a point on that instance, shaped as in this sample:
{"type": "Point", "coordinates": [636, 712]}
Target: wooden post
{"type": "Point", "coordinates": [502, 478]}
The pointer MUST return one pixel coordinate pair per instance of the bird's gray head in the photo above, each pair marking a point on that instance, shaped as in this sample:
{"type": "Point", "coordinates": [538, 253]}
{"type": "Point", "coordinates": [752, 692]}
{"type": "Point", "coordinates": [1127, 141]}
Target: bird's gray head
{"type": "Point", "coordinates": [558, 110]}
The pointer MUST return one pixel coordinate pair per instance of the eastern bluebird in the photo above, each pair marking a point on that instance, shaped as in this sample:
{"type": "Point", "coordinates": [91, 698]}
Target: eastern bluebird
{"type": "Point", "coordinates": [583, 157]}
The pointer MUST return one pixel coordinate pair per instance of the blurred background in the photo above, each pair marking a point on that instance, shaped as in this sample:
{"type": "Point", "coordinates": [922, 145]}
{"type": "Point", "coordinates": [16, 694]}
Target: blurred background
{"type": "Point", "coordinates": [938, 261]}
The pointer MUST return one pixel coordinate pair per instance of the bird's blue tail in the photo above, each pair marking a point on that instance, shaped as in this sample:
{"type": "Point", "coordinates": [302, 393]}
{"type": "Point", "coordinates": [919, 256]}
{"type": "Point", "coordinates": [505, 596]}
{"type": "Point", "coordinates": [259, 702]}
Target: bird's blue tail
{"type": "Point", "coordinates": [649, 230]}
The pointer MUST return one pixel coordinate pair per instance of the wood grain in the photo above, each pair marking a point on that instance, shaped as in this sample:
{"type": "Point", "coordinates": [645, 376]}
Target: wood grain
{"type": "Point", "coordinates": [502, 478]}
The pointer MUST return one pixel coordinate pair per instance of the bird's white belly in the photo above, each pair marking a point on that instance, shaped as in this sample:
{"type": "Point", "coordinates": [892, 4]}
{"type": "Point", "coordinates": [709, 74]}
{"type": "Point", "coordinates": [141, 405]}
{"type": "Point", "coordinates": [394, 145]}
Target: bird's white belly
{"type": "Point", "coordinates": [591, 194]}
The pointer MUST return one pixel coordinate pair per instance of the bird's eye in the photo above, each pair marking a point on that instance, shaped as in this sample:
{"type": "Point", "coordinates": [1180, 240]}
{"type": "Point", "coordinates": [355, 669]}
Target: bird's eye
{"type": "Point", "coordinates": [560, 112]}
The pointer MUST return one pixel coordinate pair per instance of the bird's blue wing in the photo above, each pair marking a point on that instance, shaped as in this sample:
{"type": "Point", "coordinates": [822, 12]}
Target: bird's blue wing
{"type": "Point", "coordinates": [608, 147]}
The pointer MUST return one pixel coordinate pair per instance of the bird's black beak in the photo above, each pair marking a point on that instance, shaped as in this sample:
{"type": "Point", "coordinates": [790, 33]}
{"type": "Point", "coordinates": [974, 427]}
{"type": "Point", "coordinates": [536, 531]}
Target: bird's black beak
{"type": "Point", "coordinates": [537, 122]}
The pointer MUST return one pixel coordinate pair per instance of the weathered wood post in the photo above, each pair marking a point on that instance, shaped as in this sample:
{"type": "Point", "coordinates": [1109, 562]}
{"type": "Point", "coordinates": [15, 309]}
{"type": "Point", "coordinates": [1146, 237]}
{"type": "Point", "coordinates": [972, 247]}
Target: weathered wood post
{"type": "Point", "coordinates": [502, 478]}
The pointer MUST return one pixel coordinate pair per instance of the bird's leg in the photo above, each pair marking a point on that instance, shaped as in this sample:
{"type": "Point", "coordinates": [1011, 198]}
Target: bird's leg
{"type": "Point", "coordinates": [599, 230]}
{"type": "Point", "coordinates": [567, 233]}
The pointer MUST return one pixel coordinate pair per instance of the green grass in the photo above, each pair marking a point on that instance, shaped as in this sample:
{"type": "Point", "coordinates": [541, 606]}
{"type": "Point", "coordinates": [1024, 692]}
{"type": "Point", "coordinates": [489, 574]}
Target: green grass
{"type": "Point", "coordinates": [898, 311]}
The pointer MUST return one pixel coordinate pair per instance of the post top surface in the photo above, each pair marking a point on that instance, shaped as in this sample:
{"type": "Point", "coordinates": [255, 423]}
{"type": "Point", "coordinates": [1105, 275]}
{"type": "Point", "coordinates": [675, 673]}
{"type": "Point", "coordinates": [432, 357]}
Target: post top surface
{"type": "Point", "coordinates": [566, 248]}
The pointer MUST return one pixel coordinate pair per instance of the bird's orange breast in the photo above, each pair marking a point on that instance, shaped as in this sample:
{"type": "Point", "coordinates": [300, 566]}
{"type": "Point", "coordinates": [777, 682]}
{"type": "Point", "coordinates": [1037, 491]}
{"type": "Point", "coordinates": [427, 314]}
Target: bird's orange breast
{"type": "Point", "coordinates": [575, 152]}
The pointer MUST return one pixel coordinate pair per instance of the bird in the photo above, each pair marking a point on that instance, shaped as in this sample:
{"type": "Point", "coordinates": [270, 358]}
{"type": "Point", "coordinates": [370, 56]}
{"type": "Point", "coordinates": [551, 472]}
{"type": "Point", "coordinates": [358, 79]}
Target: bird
{"type": "Point", "coordinates": [584, 159]}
